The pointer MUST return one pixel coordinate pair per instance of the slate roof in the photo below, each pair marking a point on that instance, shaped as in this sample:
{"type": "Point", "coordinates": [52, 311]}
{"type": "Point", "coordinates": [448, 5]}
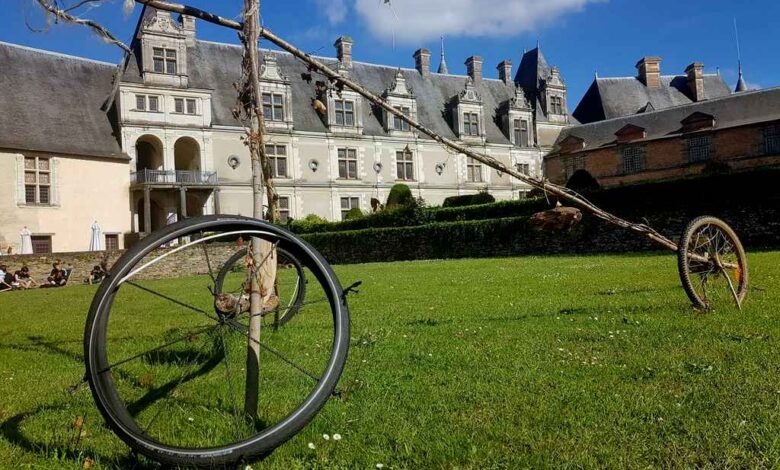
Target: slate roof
{"type": "Point", "coordinates": [531, 75]}
{"type": "Point", "coordinates": [217, 66]}
{"type": "Point", "coordinates": [51, 103]}
{"type": "Point", "coordinates": [609, 98]}
{"type": "Point", "coordinates": [731, 111]}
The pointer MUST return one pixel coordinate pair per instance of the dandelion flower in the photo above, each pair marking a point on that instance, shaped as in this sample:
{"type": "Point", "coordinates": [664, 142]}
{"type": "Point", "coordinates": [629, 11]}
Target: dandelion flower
{"type": "Point", "coordinates": [337, 437]}
{"type": "Point", "coordinates": [326, 437]}
{"type": "Point", "coordinates": [190, 419]}
{"type": "Point", "coordinates": [312, 446]}
{"type": "Point", "coordinates": [380, 465]}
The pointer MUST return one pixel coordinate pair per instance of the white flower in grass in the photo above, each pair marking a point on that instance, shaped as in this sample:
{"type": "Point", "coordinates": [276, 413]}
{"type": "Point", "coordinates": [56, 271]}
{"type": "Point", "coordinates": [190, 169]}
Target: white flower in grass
{"type": "Point", "coordinates": [248, 467]}
{"type": "Point", "coordinates": [337, 437]}
{"type": "Point", "coordinates": [326, 437]}
{"type": "Point", "coordinates": [190, 419]}
{"type": "Point", "coordinates": [312, 446]}
{"type": "Point", "coordinates": [380, 465]}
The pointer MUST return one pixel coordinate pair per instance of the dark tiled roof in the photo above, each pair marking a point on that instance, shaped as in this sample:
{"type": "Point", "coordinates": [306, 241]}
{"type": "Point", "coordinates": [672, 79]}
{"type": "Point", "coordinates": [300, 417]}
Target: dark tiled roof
{"type": "Point", "coordinates": [531, 74]}
{"type": "Point", "coordinates": [609, 98]}
{"type": "Point", "coordinates": [217, 66]}
{"type": "Point", "coordinates": [730, 111]}
{"type": "Point", "coordinates": [51, 103]}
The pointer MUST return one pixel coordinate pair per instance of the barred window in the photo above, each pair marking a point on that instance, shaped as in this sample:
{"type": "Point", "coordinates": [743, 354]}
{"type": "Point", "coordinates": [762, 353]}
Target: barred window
{"type": "Point", "coordinates": [698, 148]}
{"type": "Point", "coordinates": [632, 158]}
{"type": "Point", "coordinates": [273, 107]}
{"type": "Point", "coordinates": [41, 244]}
{"type": "Point", "coordinates": [345, 113]}
{"type": "Point", "coordinates": [473, 171]}
{"type": "Point", "coordinates": [571, 164]}
{"type": "Point", "coordinates": [772, 139]}
{"type": "Point", "coordinates": [277, 156]}
{"type": "Point", "coordinates": [404, 165]}
{"type": "Point", "coordinates": [347, 204]}
{"type": "Point", "coordinates": [112, 241]}
{"type": "Point", "coordinates": [284, 209]}
{"type": "Point", "coordinates": [398, 123]}
{"type": "Point", "coordinates": [348, 164]}
{"type": "Point", "coordinates": [471, 124]}
{"type": "Point", "coordinates": [164, 60]}
{"type": "Point", "coordinates": [37, 180]}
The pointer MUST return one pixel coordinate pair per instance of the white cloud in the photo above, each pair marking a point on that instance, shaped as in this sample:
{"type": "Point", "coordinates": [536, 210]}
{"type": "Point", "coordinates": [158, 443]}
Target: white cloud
{"type": "Point", "coordinates": [335, 10]}
{"type": "Point", "coordinates": [420, 20]}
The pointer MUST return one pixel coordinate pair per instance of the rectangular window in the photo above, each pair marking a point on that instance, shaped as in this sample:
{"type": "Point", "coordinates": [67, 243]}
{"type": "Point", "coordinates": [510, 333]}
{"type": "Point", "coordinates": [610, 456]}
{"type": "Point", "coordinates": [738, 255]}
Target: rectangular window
{"type": "Point", "coordinates": [284, 209]}
{"type": "Point", "coordinates": [398, 123]}
{"type": "Point", "coordinates": [348, 168]}
{"type": "Point", "coordinates": [347, 204]}
{"type": "Point", "coordinates": [772, 139]}
{"type": "Point", "coordinates": [164, 60]}
{"type": "Point", "coordinates": [154, 104]}
{"type": "Point", "coordinates": [140, 102]}
{"type": "Point", "coordinates": [345, 113]}
{"type": "Point", "coordinates": [521, 133]}
{"type": "Point", "coordinates": [471, 124]}
{"type": "Point", "coordinates": [524, 168]}
{"type": "Point", "coordinates": [556, 105]}
{"type": "Point", "coordinates": [178, 105]}
{"type": "Point", "coordinates": [112, 241]}
{"type": "Point", "coordinates": [698, 148]}
{"type": "Point", "coordinates": [192, 107]}
{"type": "Point", "coordinates": [41, 244]}
{"type": "Point", "coordinates": [573, 163]}
{"type": "Point", "coordinates": [473, 171]}
{"type": "Point", "coordinates": [404, 162]}
{"type": "Point", "coordinates": [37, 180]}
{"type": "Point", "coordinates": [273, 107]}
{"type": "Point", "coordinates": [632, 159]}
{"type": "Point", "coordinates": [277, 156]}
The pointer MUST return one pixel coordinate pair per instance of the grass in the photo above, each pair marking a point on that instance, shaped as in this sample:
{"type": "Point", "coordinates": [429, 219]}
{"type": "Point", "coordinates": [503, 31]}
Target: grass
{"type": "Point", "coordinates": [565, 362]}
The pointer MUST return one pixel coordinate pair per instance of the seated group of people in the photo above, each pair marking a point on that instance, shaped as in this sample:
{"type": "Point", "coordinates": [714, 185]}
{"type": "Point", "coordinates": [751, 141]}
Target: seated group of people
{"type": "Point", "coordinates": [58, 277]}
{"type": "Point", "coordinates": [16, 280]}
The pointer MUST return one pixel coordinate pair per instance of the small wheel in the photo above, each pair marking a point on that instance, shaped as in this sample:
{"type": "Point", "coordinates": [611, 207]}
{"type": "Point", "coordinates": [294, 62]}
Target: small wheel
{"type": "Point", "coordinates": [167, 365]}
{"type": "Point", "coordinates": [290, 275]}
{"type": "Point", "coordinates": [712, 263]}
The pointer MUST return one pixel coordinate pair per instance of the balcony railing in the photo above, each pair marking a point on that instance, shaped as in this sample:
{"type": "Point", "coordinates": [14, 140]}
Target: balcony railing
{"type": "Point", "coordinates": [185, 177]}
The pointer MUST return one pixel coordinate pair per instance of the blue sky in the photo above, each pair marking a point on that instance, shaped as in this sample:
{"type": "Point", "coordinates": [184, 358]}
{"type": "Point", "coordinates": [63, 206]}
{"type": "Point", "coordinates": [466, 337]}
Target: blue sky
{"type": "Point", "coordinates": [580, 36]}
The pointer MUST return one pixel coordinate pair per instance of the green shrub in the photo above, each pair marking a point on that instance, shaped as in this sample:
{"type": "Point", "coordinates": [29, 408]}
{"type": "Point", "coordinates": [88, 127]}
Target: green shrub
{"type": "Point", "coordinates": [482, 197]}
{"type": "Point", "coordinates": [354, 213]}
{"type": "Point", "coordinates": [400, 196]}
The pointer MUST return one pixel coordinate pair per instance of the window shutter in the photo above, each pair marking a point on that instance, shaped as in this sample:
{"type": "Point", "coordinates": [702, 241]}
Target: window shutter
{"type": "Point", "coordinates": [55, 186]}
{"type": "Point", "coordinates": [20, 199]}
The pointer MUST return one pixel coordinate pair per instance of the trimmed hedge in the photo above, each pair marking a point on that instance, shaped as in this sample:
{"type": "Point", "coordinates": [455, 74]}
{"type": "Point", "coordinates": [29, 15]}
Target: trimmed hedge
{"type": "Point", "coordinates": [469, 200]}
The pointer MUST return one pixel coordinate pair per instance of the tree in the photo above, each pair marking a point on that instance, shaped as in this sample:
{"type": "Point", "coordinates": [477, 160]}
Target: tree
{"type": "Point", "coordinates": [400, 196]}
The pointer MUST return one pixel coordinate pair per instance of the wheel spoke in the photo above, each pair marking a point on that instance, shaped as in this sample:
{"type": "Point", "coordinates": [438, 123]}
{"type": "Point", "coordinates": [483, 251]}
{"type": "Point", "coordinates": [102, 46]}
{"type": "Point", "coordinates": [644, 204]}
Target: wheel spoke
{"type": "Point", "coordinates": [171, 299]}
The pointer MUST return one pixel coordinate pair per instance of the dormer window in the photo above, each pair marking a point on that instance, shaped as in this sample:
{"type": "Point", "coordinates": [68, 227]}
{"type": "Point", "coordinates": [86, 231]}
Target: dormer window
{"type": "Point", "coordinates": [556, 105]}
{"type": "Point", "coordinates": [273, 106]}
{"type": "Point", "coordinates": [521, 132]}
{"type": "Point", "coordinates": [164, 60]}
{"type": "Point", "coordinates": [345, 113]}
{"type": "Point", "coordinates": [402, 98]}
{"type": "Point", "coordinates": [471, 124]}
{"type": "Point", "coordinates": [516, 119]}
{"type": "Point", "coordinates": [468, 112]}
{"type": "Point", "coordinates": [398, 123]}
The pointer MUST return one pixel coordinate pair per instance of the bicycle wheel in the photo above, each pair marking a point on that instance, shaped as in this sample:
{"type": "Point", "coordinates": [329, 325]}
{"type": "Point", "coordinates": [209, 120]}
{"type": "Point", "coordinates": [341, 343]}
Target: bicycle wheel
{"type": "Point", "coordinates": [291, 281]}
{"type": "Point", "coordinates": [712, 263]}
{"type": "Point", "coordinates": [167, 367]}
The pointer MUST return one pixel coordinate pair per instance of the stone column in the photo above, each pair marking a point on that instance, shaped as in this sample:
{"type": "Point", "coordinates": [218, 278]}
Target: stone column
{"type": "Point", "coordinates": [183, 201]}
{"type": "Point", "coordinates": [217, 210]}
{"type": "Point", "coordinates": [147, 210]}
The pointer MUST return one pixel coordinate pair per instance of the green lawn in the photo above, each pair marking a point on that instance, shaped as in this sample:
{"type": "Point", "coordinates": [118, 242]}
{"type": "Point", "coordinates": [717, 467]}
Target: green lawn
{"type": "Point", "coordinates": [565, 362]}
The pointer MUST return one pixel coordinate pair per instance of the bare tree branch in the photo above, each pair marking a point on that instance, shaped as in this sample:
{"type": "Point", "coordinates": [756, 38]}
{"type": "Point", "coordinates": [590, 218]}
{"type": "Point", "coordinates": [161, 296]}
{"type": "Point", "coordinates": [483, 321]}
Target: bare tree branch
{"type": "Point", "coordinates": [52, 7]}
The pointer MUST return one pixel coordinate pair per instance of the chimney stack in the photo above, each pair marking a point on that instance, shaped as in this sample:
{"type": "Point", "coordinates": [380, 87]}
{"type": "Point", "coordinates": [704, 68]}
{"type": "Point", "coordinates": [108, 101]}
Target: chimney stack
{"type": "Point", "coordinates": [422, 61]}
{"type": "Point", "coordinates": [695, 73]}
{"type": "Point", "coordinates": [505, 71]}
{"type": "Point", "coordinates": [650, 71]}
{"type": "Point", "coordinates": [344, 50]}
{"type": "Point", "coordinates": [474, 68]}
{"type": "Point", "coordinates": [188, 26]}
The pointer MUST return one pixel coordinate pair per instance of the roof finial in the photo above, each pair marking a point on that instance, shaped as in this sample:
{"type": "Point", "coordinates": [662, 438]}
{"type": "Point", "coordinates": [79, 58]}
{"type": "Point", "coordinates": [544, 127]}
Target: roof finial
{"type": "Point", "coordinates": [741, 84]}
{"type": "Point", "coordinates": [443, 64]}
{"type": "Point", "coordinates": [537, 43]}
{"type": "Point", "coordinates": [596, 74]}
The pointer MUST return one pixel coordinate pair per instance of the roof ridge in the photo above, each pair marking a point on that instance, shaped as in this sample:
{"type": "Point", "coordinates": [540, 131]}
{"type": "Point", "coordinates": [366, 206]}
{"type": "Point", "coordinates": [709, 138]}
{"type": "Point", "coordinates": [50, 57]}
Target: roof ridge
{"type": "Point", "coordinates": [694, 104]}
{"type": "Point", "coordinates": [57, 54]}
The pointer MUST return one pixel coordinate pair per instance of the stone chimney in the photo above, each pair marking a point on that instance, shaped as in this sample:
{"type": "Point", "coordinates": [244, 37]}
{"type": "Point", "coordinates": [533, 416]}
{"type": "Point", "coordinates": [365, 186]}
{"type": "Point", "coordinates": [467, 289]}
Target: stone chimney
{"type": "Point", "coordinates": [344, 50]}
{"type": "Point", "coordinates": [650, 71]}
{"type": "Point", "coordinates": [188, 26]}
{"type": "Point", "coordinates": [505, 71]}
{"type": "Point", "coordinates": [422, 61]}
{"type": "Point", "coordinates": [474, 68]}
{"type": "Point", "coordinates": [695, 73]}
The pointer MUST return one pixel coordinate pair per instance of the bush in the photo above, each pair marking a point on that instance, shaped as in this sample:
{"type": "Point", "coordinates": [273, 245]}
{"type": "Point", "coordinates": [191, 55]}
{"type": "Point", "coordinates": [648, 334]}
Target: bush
{"type": "Point", "coordinates": [482, 197]}
{"type": "Point", "coordinates": [400, 196]}
{"type": "Point", "coordinates": [354, 213]}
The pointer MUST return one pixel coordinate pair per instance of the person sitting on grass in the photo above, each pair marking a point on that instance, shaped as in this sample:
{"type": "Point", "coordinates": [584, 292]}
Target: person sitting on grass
{"type": "Point", "coordinates": [58, 276]}
{"type": "Point", "coordinates": [5, 279]}
{"type": "Point", "coordinates": [23, 280]}
{"type": "Point", "coordinates": [97, 275]}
